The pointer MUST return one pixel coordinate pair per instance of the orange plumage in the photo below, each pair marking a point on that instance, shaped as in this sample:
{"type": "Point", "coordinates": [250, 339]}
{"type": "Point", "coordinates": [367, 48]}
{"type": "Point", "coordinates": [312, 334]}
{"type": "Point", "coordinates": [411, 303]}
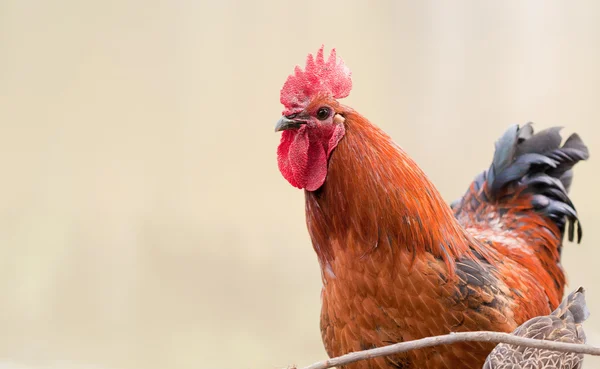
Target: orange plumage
{"type": "Point", "coordinates": [397, 263]}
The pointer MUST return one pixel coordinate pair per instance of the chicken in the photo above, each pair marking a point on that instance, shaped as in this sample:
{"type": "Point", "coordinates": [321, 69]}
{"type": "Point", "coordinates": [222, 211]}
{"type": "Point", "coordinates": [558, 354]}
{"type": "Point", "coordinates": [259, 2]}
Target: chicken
{"type": "Point", "coordinates": [563, 325]}
{"type": "Point", "coordinates": [397, 263]}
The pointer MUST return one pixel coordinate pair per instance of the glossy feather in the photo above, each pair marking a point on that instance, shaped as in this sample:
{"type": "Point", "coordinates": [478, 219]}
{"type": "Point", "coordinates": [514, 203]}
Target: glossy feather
{"type": "Point", "coordinates": [398, 266]}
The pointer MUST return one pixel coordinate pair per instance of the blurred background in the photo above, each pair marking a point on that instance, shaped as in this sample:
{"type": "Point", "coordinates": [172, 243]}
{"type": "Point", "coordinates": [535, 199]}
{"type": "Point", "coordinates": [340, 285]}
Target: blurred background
{"type": "Point", "coordinates": [143, 220]}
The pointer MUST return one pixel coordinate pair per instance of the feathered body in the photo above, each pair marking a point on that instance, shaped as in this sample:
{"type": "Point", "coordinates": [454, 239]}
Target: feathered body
{"type": "Point", "coordinates": [397, 263]}
{"type": "Point", "coordinates": [563, 325]}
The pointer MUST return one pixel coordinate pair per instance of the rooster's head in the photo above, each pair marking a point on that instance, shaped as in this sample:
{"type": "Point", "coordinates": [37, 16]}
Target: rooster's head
{"type": "Point", "coordinates": [313, 120]}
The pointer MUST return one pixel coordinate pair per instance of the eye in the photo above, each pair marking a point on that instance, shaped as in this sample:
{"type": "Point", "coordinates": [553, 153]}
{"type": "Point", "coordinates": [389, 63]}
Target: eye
{"type": "Point", "coordinates": [322, 113]}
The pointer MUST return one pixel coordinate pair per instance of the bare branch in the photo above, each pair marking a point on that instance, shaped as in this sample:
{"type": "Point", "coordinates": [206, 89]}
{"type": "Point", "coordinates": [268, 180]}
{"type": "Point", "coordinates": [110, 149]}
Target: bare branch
{"type": "Point", "coordinates": [483, 336]}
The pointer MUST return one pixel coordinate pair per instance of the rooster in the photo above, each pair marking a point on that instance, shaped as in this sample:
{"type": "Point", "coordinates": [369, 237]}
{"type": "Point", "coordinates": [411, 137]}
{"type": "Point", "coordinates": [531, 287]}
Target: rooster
{"type": "Point", "coordinates": [399, 264]}
{"type": "Point", "coordinates": [563, 325]}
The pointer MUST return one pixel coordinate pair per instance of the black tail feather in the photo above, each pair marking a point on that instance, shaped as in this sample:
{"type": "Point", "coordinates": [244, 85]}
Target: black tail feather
{"type": "Point", "coordinates": [538, 163]}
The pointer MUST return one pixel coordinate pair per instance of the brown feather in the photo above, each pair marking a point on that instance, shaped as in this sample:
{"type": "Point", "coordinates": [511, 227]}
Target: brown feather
{"type": "Point", "coordinates": [398, 266]}
{"type": "Point", "coordinates": [378, 197]}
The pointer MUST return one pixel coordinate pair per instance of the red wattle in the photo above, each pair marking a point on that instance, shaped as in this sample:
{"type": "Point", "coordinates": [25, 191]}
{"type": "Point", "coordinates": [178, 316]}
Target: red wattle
{"type": "Point", "coordinates": [302, 162]}
{"type": "Point", "coordinates": [302, 159]}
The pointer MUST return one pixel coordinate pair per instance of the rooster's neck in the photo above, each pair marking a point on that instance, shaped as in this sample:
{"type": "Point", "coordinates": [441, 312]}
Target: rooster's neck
{"type": "Point", "coordinates": [376, 199]}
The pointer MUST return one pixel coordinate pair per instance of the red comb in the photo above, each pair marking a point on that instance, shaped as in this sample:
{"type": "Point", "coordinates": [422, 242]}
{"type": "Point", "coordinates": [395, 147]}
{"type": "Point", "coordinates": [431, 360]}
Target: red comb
{"type": "Point", "coordinates": [329, 77]}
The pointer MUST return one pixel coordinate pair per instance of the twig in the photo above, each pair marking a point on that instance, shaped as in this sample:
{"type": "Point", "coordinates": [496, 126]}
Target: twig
{"type": "Point", "coordinates": [483, 336]}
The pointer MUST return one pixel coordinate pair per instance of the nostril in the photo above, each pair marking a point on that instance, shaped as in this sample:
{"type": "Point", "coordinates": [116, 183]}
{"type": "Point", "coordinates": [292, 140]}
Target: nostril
{"type": "Point", "coordinates": [291, 116]}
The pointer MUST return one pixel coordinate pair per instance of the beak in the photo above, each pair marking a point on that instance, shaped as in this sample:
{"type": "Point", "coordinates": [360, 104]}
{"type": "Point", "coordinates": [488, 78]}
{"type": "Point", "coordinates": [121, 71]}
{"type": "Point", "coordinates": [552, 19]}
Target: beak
{"type": "Point", "coordinates": [286, 123]}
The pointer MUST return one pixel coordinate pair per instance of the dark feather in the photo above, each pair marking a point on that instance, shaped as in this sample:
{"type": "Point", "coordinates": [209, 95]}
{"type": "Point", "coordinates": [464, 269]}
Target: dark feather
{"type": "Point", "coordinates": [542, 167]}
{"type": "Point", "coordinates": [544, 141]}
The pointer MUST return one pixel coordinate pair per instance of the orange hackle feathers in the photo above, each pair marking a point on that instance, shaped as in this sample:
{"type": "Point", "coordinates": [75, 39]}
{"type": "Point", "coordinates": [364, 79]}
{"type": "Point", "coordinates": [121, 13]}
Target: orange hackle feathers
{"type": "Point", "coordinates": [381, 205]}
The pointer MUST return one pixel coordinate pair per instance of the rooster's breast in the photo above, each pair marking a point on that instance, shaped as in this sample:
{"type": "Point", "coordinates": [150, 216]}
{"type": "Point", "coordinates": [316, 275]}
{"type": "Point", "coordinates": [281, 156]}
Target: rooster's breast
{"type": "Point", "coordinates": [369, 303]}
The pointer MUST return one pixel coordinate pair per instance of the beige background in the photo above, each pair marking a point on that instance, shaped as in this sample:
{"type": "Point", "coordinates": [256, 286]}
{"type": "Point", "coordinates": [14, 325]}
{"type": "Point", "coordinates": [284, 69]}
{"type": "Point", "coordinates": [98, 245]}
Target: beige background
{"type": "Point", "coordinates": [143, 221]}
